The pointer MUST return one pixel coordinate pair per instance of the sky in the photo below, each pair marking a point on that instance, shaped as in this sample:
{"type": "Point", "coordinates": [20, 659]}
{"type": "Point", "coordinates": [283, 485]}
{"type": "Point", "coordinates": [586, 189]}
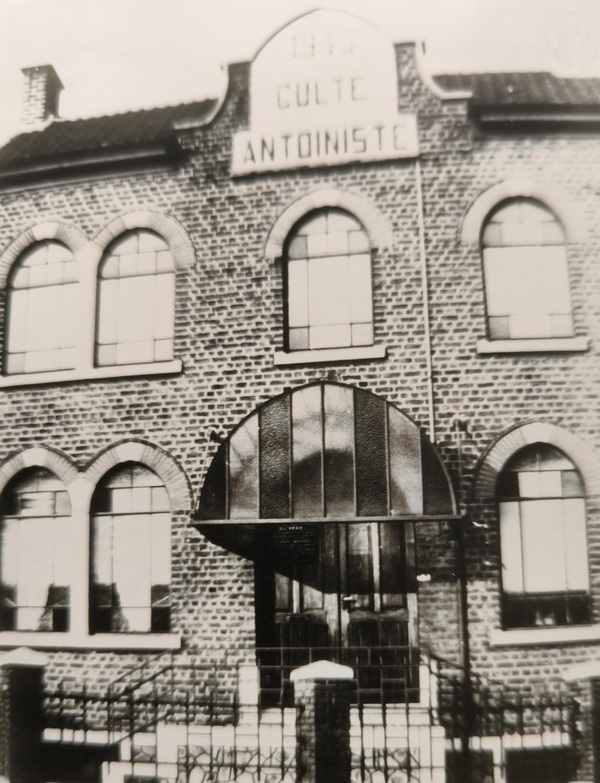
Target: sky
{"type": "Point", "coordinates": [117, 55]}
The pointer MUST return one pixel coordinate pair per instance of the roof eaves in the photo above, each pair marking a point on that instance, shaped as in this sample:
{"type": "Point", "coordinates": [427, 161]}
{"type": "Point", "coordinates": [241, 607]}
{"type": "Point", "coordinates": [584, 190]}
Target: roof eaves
{"type": "Point", "coordinates": [61, 164]}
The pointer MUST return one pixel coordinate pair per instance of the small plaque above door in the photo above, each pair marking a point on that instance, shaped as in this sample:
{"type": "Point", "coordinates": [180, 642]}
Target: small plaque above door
{"type": "Point", "coordinates": [297, 543]}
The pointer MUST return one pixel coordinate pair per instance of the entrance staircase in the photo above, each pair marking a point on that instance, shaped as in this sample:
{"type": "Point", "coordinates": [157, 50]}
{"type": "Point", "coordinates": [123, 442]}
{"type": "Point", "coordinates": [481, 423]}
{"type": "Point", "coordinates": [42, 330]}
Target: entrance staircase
{"type": "Point", "coordinates": [177, 721]}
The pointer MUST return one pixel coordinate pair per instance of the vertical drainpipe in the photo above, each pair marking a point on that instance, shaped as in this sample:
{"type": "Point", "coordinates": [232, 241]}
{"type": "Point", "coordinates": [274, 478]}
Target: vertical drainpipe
{"type": "Point", "coordinates": [467, 693]}
{"type": "Point", "coordinates": [425, 294]}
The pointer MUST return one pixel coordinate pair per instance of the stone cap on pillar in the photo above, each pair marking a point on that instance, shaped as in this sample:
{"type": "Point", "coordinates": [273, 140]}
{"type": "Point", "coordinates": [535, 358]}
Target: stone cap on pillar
{"type": "Point", "coordinates": [322, 670]}
{"type": "Point", "coordinates": [23, 656]}
{"type": "Point", "coordinates": [589, 670]}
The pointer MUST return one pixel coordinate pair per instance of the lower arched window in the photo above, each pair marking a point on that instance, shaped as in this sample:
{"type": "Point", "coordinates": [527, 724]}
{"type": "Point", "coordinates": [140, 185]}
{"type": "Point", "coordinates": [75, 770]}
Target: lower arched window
{"type": "Point", "coordinates": [35, 553]}
{"type": "Point", "coordinates": [130, 552]}
{"type": "Point", "coordinates": [543, 540]}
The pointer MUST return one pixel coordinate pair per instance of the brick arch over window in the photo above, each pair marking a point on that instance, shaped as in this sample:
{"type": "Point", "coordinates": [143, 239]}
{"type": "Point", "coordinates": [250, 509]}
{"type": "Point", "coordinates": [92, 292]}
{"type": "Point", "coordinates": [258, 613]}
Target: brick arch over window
{"type": "Point", "coordinates": [70, 236]}
{"type": "Point", "coordinates": [582, 455]}
{"type": "Point", "coordinates": [550, 196]}
{"type": "Point", "coordinates": [378, 228]}
{"type": "Point", "coordinates": [166, 468]}
{"type": "Point", "coordinates": [39, 456]}
{"type": "Point", "coordinates": [169, 229]}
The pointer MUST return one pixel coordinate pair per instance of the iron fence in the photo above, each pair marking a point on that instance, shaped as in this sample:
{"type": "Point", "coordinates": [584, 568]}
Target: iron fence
{"type": "Point", "coordinates": [183, 720]}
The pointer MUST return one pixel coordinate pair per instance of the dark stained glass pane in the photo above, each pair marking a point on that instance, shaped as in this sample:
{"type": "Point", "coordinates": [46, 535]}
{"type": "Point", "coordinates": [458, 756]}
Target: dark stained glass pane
{"type": "Point", "coordinates": [371, 455]}
{"type": "Point", "coordinates": [274, 432]}
{"type": "Point", "coordinates": [213, 503]}
{"type": "Point", "coordinates": [339, 451]}
{"type": "Point", "coordinates": [406, 486]}
{"type": "Point", "coordinates": [437, 493]}
{"type": "Point", "coordinates": [307, 439]}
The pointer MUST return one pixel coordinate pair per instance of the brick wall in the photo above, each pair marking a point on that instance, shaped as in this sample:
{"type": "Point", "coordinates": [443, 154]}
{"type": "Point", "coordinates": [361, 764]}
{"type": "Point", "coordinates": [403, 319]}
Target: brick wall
{"type": "Point", "coordinates": [229, 323]}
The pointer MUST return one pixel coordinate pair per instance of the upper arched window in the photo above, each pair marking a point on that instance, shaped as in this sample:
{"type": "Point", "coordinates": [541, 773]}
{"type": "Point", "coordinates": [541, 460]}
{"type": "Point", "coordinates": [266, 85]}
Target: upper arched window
{"type": "Point", "coordinates": [35, 536]}
{"type": "Point", "coordinates": [130, 552]}
{"type": "Point", "coordinates": [526, 275]}
{"type": "Point", "coordinates": [40, 327]}
{"type": "Point", "coordinates": [136, 301]}
{"type": "Point", "coordinates": [543, 539]}
{"type": "Point", "coordinates": [328, 283]}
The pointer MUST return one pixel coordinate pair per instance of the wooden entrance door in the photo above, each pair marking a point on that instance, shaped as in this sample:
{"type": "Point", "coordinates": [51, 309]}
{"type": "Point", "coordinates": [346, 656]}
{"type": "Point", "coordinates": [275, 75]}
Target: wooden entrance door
{"type": "Point", "coordinates": [352, 601]}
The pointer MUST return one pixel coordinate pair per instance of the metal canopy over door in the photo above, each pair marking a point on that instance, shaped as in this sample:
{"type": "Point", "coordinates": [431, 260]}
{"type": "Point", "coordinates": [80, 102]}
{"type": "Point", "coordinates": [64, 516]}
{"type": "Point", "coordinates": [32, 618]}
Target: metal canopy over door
{"type": "Point", "coordinates": [321, 486]}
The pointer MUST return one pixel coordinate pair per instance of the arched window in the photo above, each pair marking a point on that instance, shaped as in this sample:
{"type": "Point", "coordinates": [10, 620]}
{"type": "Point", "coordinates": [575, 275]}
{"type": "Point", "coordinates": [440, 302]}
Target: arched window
{"type": "Point", "coordinates": [543, 539]}
{"type": "Point", "coordinates": [136, 301]}
{"type": "Point", "coordinates": [35, 554]}
{"type": "Point", "coordinates": [40, 328]}
{"type": "Point", "coordinates": [130, 552]}
{"type": "Point", "coordinates": [526, 275]}
{"type": "Point", "coordinates": [329, 300]}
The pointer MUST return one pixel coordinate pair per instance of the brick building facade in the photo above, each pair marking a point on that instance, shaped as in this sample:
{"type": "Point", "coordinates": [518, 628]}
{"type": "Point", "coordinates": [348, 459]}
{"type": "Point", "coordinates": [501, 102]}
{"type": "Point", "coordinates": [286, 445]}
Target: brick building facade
{"type": "Point", "coordinates": [308, 373]}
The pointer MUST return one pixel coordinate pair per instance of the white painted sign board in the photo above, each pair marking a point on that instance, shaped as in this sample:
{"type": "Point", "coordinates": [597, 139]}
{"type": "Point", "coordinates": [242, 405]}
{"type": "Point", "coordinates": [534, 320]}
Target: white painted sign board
{"type": "Point", "coordinates": [323, 91]}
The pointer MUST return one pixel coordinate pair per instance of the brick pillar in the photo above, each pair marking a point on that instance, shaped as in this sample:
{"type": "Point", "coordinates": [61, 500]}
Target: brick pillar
{"type": "Point", "coordinates": [21, 719]}
{"type": "Point", "coordinates": [322, 692]}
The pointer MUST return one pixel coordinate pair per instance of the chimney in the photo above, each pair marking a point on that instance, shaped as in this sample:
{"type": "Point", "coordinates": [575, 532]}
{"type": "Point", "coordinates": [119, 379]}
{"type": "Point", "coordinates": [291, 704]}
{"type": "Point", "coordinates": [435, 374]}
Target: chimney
{"type": "Point", "coordinates": [42, 90]}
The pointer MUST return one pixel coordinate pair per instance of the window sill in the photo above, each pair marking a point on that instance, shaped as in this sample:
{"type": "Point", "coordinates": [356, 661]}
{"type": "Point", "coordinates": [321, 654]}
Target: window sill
{"type": "Point", "coordinates": [572, 634]}
{"type": "Point", "coordinates": [323, 355]}
{"type": "Point", "coordinates": [42, 640]}
{"type": "Point", "coordinates": [92, 373]}
{"type": "Point", "coordinates": [549, 344]}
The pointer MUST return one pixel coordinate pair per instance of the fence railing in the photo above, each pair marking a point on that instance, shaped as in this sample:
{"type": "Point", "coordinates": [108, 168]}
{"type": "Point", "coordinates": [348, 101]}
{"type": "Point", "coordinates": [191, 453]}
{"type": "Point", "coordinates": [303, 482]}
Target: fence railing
{"type": "Point", "coordinates": [412, 717]}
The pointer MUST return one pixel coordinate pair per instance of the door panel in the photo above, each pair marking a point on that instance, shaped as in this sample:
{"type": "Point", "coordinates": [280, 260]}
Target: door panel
{"type": "Point", "coordinates": [351, 604]}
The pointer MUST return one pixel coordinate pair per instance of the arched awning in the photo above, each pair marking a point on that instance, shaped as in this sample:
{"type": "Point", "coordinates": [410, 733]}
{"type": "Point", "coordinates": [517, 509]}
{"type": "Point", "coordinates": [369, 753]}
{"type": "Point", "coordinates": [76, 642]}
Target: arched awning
{"type": "Point", "coordinates": [326, 452]}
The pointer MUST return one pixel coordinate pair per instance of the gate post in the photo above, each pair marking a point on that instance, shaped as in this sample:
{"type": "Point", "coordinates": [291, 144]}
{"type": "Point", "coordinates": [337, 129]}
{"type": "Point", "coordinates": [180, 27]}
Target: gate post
{"type": "Point", "coordinates": [322, 693]}
{"type": "Point", "coordinates": [21, 718]}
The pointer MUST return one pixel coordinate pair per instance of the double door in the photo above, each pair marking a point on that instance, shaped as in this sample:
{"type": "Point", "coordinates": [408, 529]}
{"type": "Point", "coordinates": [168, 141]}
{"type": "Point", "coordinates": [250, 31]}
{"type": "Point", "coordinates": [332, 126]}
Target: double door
{"type": "Point", "coordinates": [347, 596]}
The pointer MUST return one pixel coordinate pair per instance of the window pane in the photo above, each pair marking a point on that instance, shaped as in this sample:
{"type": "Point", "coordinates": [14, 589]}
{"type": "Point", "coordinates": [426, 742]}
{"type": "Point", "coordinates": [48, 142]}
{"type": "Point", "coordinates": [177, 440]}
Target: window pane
{"type": "Point", "coordinates": [339, 451]}
{"type": "Point", "coordinates": [512, 555]}
{"type": "Point", "coordinates": [307, 440]}
{"type": "Point", "coordinates": [543, 558]}
{"type": "Point", "coordinates": [17, 328]}
{"type": "Point", "coordinates": [329, 291]}
{"type": "Point", "coordinates": [243, 471]}
{"type": "Point", "coordinates": [107, 314]}
{"type": "Point", "coordinates": [161, 550]}
{"type": "Point", "coordinates": [298, 293]}
{"type": "Point", "coordinates": [330, 336]}
{"type": "Point", "coordinates": [102, 548]}
{"type": "Point", "coordinates": [131, 560]}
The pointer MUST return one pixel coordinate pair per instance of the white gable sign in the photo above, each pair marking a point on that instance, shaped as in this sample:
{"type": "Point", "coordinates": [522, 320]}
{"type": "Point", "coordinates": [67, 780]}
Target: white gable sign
{"type": "Point", "coordinates": [323, 91]}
